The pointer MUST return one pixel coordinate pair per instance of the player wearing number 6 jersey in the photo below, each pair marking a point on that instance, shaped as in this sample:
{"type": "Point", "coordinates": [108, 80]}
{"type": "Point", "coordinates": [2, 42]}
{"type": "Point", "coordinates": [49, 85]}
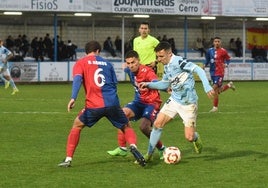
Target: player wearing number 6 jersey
{"type": "Point", "coordinates": [98, 78]}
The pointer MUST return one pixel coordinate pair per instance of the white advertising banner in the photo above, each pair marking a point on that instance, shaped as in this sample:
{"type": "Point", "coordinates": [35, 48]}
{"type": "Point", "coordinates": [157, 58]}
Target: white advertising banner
{"type": "Point", "coordinates": [245, 8]}
{"type": "Point", "coordinates": [239, 71]}
{"type": "Point", "coordinates": [173, 7]}
{"type": "Point", "coordinates": [181, 7]}
{"type": "Point", "coordinates": [71, 65]}
{"type": "Point", "coordinates": [53, 72]}
{"type": "Point", "coordinates": [57, 5]}
{"type": "Point", "coordinates": [260, 71]}
{"type": "Point", "coordinates": [24, 72]}
{"type": "Point", "coordinates": [120, 73]}
{"type": "Point", "coordinates": [62, 71]}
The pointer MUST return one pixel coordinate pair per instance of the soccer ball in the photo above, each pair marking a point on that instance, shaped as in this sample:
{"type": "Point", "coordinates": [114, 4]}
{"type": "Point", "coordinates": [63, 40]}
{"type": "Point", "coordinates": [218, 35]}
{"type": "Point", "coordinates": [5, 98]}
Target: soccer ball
{"type": "Point", "coordinates": [172, 155]}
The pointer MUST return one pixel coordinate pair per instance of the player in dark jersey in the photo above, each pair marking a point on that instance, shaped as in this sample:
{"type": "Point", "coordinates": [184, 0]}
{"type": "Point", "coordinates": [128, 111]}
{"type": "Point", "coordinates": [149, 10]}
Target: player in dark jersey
{"type": "Point", "coordinates": [99, 80]}
{"type": "Point", "coordinates": [217, 59]}
{"type": "Point", "coordinates": [146, 103]}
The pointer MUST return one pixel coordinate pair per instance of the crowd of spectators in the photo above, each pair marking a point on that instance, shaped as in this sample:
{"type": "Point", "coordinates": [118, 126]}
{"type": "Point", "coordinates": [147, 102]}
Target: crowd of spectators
{"type": "Point", "coordinates": [40, 48]}
{"type": "Point", "coordinates": [259, 54]}
{"type": "Point", "coordinates": [236, 46]}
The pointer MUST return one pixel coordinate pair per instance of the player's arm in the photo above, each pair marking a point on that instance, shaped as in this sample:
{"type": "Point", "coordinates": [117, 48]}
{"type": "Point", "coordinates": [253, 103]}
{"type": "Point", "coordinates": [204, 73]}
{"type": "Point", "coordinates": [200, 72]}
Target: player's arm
{"type": "Point", "coordinates": [8, 57]}
{"type": "Point", "coordinates": [77, 81]}
{"type": "Point", "coordinates": [207, 59]}
{"type": "Point", "coordinates": [202, 75]}
{"type": "Point", "coordinates": [160, 85]}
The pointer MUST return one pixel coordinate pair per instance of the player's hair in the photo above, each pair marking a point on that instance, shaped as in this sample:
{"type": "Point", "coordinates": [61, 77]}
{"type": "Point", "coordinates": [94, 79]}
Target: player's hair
{"type": "Point", "coordinates": [145, 23]}
{"type": "Point", "coordinates": [92, 46]}
{"type": "Point", "coordinates": [217, 38]}
{"type": "Point", "coordinates": [132, 53]}
{"type": "Point", "coordinates": [162, 46]}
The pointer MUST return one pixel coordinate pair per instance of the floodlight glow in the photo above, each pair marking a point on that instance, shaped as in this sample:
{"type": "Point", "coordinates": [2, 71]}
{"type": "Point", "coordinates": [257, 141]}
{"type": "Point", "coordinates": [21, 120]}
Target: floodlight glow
{"type": "Point", "coordinates": [141, 16]}
{"type": "Point", "coordinates": [262, 19]}
{"type": "Point", "coordinates": [208, 17]}
{"type": "Point", "coordinates": [82, 14]}
{"type": "Point", "coordinates": [12, 13]}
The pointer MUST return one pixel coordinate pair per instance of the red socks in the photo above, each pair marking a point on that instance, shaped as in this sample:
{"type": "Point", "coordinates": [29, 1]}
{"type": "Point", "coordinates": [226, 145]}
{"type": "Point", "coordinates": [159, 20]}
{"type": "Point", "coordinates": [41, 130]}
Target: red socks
{"type": "Point", "coordinates": [121, 138]}
{"type": "Point", "coordinates": [130, 136]}
{"type": "Point", "coordinates": [225, 87]}
{"type": "Point", "coordinates": [72, 141]}
{"type": "Point", "coordinates": [216, 102]}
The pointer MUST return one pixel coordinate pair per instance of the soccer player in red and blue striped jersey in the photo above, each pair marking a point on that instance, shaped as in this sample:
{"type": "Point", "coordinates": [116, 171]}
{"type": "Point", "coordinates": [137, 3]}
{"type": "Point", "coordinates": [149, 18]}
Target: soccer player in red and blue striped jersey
{"type": "Point", "coordinates": [99, 80]}
{"type": "Point", "coordinates": [217, 58]}
{"type": "Point", "coordinates": [146, 103]}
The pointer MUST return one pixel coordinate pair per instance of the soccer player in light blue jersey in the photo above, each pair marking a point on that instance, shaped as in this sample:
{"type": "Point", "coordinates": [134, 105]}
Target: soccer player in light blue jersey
{"type": "Point", "coordinates": [5, 55]}
{"type": "Point", "coordinates": [178, 76]}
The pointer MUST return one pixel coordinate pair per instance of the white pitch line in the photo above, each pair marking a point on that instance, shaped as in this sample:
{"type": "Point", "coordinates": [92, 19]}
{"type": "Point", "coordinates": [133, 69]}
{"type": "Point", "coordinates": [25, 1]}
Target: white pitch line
{"type": "Point", "coordinates": [33, 112]}
{"type": "Point", "coordinates": [243, 112]}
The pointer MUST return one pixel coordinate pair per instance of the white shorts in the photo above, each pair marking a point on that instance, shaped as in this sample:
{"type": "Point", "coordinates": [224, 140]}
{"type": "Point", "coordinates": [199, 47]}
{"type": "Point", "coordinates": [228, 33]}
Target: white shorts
{"type": "Point", "coordinates": [188, 113]}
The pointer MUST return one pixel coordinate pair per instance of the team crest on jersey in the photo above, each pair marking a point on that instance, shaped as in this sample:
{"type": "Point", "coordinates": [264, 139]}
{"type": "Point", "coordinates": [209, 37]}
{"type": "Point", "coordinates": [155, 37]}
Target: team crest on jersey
{"type": "Point", "coordinates": [179, 79]}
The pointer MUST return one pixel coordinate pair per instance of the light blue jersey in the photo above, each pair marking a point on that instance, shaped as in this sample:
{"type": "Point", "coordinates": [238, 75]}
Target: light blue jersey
{"type": "Point", "coordinates": [178, 75]}
{"type": "Point", "coordinates": [4, 53]}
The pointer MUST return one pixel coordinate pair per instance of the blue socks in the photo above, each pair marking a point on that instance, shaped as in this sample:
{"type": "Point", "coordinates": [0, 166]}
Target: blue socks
{"type": "Point", "coordinates": [154, 138]}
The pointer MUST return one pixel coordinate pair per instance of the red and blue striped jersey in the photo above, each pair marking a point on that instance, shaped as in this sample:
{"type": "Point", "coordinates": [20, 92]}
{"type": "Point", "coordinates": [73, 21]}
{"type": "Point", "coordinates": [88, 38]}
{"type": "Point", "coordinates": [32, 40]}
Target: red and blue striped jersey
{"type": "Point", "coordinates": [99, 81]}
{"type": "Point", "coordinates": [216, 59]}
{"type": "Point", "coordinates": [145, 74]}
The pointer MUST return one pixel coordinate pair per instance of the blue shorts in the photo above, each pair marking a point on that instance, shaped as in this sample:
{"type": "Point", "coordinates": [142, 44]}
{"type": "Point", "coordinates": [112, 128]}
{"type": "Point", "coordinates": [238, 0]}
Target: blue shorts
{"type": "Point", "coordinates": [115, 114]}
{"type": "Point", "coordinates": [142, 110]}
{"type": "Point", "coordinates": [217, 80]}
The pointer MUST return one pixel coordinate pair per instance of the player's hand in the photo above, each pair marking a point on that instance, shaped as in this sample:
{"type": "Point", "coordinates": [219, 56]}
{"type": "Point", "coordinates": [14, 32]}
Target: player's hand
{"type": "Point", "coordinates": [152, 64]}
{"type": "Point", "coordinates": [169, 90]}
{"type": "Point", "coordinates": [211, 94]}
{"type": "Point", "coordinates": [142, 85]}
{"type": "Point", "coordinates": [71, 105]}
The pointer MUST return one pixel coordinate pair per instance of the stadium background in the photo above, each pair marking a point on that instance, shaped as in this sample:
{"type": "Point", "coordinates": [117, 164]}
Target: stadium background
{"type": "Point", "coordinates": [112, 18]}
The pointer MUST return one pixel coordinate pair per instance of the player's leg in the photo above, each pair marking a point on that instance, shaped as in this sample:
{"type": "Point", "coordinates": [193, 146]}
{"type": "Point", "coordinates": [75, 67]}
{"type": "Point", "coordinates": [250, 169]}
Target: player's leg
{"type": "Point", "coordinates": [72, 142]}
{"type": "Point", "coordinates": [11, 81]}
{"type": "Point", "coordinates": [217, 83]}
{"type": "Point", "coordinates": [2, 77]}
{"type": "Point", "coordinates": [188, 113]}
{"type": "Point", "coordinates": [230, 85]}
{"type": "Point", "coordinates": [158, 126]}
{"type": "Point", "coordinates": [118, 118]}
{"type": "Point", "coordinates": [122, 149]}
{"type": "Point", "coordinates": [85, 115]}
{"type": "Point", "coordinates": [168, 112]}
{"type": "Point", "coordinates": [148, 116]}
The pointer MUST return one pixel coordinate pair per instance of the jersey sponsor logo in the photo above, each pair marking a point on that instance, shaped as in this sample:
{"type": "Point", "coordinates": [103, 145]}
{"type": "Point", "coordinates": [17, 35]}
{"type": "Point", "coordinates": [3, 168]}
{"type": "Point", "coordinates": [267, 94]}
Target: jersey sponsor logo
{"type": "Point", "coordinates": [179, 79]}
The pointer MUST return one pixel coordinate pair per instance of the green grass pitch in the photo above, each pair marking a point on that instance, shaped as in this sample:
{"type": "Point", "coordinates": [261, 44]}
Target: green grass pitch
{"type": "Point", "coordinates": [35, 124]}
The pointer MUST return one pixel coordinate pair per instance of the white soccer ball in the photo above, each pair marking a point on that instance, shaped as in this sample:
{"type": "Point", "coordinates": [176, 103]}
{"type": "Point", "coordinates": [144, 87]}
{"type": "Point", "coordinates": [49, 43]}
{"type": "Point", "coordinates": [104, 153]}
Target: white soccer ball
{"type": "Point", "coordinates": [172, 155]}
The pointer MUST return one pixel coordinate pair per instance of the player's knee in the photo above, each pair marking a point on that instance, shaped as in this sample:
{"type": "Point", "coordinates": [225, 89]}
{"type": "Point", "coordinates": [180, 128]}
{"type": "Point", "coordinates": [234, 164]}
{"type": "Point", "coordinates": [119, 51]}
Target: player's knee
{"type": "Point", "coordinates": [189, 137]}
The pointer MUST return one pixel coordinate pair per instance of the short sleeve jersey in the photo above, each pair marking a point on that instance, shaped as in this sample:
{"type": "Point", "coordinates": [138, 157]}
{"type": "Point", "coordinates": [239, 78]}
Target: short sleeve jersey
{"type": "Point", "coordinates": [145, 48]}
{"type": "Point", "coordinates": [216, 59]}
{"type": "Point", "coordinates": [145, 74]}
{"type": "Point", "coordinates": [99, 81]}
